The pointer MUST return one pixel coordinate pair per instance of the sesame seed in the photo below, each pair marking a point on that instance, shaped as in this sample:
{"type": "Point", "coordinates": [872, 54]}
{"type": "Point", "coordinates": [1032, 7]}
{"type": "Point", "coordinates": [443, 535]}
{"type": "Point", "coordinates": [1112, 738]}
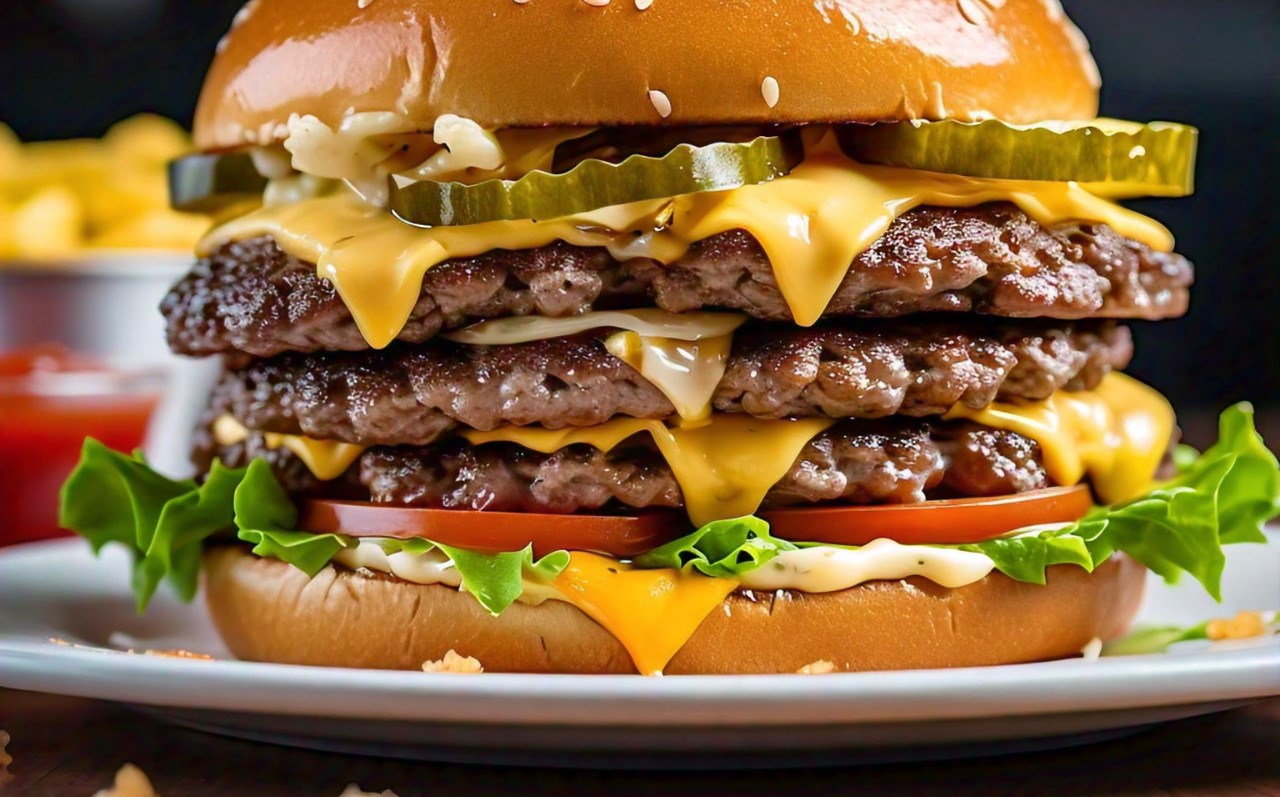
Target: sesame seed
{"type": "Point", "coordinates": [641, 5]}
{"type": "Point", "coordinates": [363, 4]}
{"type": "Point", "coordinates": [597, 3]}
{"type": "Point", "coordinates": [521, 2]}
{"type": "Point", "coordinates": [661, 103]}
{"type": "Point", "coordinates": [769, 88]}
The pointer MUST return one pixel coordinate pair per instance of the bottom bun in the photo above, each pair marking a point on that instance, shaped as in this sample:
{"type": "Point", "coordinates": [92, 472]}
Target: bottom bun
{"type": "Point", "coordinates": [269, 611]}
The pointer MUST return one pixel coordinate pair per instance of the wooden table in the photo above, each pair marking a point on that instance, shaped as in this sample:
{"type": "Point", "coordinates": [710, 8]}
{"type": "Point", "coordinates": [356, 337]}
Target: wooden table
{"type": "Point", "coordinates": [66, 747]}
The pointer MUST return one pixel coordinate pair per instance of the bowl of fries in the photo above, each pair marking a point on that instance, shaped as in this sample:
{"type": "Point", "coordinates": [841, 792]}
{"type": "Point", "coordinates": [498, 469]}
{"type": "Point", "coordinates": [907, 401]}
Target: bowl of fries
{"type": "Point", "coordinates": [88, 248]}
{"type": "Point", "coordinates": [88, 243]}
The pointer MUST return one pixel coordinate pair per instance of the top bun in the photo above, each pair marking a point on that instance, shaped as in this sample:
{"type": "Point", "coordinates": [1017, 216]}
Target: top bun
{"type": "Point", "coordinates": [523, 63]}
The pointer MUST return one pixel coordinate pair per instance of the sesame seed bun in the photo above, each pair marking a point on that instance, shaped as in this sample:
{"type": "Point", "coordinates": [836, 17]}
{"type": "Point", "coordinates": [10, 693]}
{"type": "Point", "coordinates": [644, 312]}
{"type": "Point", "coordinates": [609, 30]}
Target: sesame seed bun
{"type": "Point", "coordinates": [504, 63]}
{"type": "Point", "coordinates": [270, 611]}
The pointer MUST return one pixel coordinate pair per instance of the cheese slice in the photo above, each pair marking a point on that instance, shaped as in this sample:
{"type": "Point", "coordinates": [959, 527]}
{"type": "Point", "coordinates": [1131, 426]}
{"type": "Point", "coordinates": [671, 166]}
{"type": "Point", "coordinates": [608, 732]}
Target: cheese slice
{"type": "Point", "coordinates": [687, 372]}
{"type": "Point", "coordinates": [725, 466]}
{"type": "Point", "coordinates": [653, 613]}
{"type": "Point", "coordinates": [812, 223]}
{"type": "Point", "coordinates": [1117, 434]}
{"type": "Point", "coordinates": [326, 459]}
{"type": "Point", "coordinates": [647, 321]}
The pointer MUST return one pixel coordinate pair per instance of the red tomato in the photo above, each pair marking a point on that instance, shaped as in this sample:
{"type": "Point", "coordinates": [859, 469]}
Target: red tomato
{"type": "Point", "coordinates": [620, 536]}
{"type": "Point", "coordinates": [931, 522]}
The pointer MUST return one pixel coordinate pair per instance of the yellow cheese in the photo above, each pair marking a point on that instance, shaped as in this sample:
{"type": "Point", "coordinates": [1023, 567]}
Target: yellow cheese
{"type": "Point", "coordinates": [687, 372]}
{"type": "Point", "coordinates": [650, 321]}
{"type": "Point", "coordinates": [812, 223]}
{"type": "Point", "coordinates": [651, 612]}
{"type": "Point", "coordinates": [724, 466]}
{"type": "Point", "coordinates": [326, 459]}
{"type": "Point", "coordinates": [1116, 434]}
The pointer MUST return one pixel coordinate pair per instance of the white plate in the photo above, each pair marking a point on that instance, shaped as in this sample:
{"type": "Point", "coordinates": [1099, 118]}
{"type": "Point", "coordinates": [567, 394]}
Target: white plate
{"type": "Point", "coordinates": [57, 590]}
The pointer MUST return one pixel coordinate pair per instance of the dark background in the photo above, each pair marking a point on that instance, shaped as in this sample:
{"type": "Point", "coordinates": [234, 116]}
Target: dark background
{"type": "Point", "coordinates": [71, 67]}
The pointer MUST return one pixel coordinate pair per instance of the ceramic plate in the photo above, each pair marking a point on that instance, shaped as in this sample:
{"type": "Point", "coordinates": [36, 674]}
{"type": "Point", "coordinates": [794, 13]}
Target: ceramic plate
{"type": "Point", "coordinates": [58, 591]}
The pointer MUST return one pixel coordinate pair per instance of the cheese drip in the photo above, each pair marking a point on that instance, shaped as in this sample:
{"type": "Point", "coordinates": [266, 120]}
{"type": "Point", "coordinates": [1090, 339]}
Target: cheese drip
{"type": "Point", "coordinates": [725, 466]}
{"type": "Point", "coordinates": [1117, 434]}
{"type": "Point", "coordinates": [326, 459]}
{"type": "Point", "coordinates": [687, 372]}
{"type": "Point", "coordinates": [651, 612]}
{"type": "Point", "coordinates": [812, 224]}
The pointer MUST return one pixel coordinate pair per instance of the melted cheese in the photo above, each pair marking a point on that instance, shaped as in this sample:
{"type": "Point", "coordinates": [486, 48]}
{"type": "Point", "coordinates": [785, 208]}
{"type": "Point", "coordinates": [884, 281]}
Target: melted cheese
{"type": "Point", "coordinates": [326, 459]}
{"type": "Point", "coordinates": [724, 466]}
{"type": "Point", "coordinates": [812, 223]}
{"type": "Point", "coordinates": [651, 612]}
{"type": "Point", "coordinates": [687, 372]}
{"type": "Point", "coordinates": [1116, 434]}
{"type": "Point", "coordinates": [648, 321]}
{"type": "Point", "coordinates": [826, 569]}
{"type": "Point", "coordinates": [682, 354]}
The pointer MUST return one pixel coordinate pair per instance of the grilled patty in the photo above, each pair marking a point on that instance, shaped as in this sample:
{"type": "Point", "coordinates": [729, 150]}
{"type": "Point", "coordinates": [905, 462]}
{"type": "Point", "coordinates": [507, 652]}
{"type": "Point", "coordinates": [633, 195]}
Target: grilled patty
{"type": "Point", "coordinates": [993, 259]}
{"type": "Point", "coordinates": [890, 461]}
{"type": "Point", "coordinates": [420, 394]}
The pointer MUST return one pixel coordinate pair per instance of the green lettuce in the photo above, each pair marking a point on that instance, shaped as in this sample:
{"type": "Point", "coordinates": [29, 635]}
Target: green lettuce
{"type": "Point", "coordinates": [494, 579]}
{"type": "Point", "coordinates": [116, 498]}
{"type": "Point", "coordinates": [1220, 497]}
{"type": "Point", "coordinates": [720, 549]}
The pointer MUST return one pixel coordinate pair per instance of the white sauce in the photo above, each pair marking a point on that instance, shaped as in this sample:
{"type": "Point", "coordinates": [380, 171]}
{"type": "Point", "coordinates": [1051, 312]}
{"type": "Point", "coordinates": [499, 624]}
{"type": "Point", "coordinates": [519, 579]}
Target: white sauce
{"type": "Point", "coordinates": [824, 569]}
{"type": "Point", "coordinates": [820, 569]}
{"type": "Point", "coordinates": [432, 567]}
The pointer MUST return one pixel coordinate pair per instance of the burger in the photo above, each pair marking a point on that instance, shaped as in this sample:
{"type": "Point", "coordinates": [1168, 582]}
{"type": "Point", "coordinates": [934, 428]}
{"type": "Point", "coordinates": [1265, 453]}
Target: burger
{"type": "Point", "coordinates": [591, 336]}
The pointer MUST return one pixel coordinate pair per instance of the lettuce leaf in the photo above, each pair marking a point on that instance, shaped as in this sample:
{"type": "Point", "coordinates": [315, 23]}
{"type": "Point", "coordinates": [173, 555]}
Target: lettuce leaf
{"type": "Point", "coordinates": [266, 517]}
{"type": "Point", "coordinates": [113, 497]}
{"type": "Point", "coordinates": [1223, 496]}
{"type": "Point", "coordinates": [496, 580]}
{"type": "Point", "coordinates": [1027, 556]}
{"type": "Point", "coordinates": [720, 549]}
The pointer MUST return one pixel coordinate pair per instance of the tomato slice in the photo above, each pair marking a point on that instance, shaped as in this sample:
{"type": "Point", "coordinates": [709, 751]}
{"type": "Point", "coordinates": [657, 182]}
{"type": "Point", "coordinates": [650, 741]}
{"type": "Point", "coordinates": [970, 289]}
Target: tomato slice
{"type": "Point", "coordinates": [932, 522]}
{"type": "Point", "coordinates": [619, 536]}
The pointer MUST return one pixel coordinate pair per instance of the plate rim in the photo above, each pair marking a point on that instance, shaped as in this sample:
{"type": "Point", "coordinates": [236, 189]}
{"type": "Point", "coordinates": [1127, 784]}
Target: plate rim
{"type": "Point", "coordinates": [1245, 673]}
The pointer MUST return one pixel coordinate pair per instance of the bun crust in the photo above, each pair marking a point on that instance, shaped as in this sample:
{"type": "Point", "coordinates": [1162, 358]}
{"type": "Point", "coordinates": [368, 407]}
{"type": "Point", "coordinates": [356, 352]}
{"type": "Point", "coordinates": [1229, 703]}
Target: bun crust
{"type": "Point", "coordinates": [570, 62]}
{"type": "Point", "coordinates": [269, 611]}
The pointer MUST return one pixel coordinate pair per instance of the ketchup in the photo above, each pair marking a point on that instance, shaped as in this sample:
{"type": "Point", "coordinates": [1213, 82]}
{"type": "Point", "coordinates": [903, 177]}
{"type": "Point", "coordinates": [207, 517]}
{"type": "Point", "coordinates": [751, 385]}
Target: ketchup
{"type": "Point", "coordinates": [51, 399]}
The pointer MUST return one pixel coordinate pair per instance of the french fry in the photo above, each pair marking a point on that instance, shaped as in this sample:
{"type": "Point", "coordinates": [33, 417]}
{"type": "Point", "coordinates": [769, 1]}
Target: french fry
{"type": "Point", "coordinates": [155, 229]}
{"type": "Point", "coordinates": [49, 225]}
{"type": "Point", "coordinates": [57, 197]}
{"type": "Point", "coordinates": [147, 139]}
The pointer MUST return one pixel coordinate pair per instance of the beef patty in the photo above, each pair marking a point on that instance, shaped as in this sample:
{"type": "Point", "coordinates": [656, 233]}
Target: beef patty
{"type": "Point", "coordinates": [890, 461]}
{"type": "Point", "coordinates": [251, 297]}
{"type": "Point", "coordinates": [419, 394]}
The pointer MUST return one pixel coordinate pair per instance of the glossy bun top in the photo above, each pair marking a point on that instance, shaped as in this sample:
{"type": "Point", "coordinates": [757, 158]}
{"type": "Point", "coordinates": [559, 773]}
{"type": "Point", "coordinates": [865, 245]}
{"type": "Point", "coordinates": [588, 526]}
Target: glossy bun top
{"type": "Point", "coordinates": [515, 63]}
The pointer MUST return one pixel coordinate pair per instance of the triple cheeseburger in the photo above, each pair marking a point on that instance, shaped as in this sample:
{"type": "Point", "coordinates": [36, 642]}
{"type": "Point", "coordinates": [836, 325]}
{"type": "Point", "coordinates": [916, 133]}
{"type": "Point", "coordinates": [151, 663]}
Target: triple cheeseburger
{"type": "Point", "coordinates": [607, 337]}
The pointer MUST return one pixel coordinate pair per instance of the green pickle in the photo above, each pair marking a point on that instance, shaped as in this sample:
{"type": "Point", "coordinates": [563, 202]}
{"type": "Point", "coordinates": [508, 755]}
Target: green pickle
{"type": "Point", "coordinates": [207, 183]}
{"type": "Point", "coordinates": [1111, 157]}
{"type": "Point", "coordinates": [593, 184]}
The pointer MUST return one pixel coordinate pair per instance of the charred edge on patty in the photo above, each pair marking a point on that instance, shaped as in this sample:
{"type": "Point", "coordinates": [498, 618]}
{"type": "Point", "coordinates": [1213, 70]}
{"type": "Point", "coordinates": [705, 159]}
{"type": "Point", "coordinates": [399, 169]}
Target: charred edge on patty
{"type": "Point", "coordinates": [420, 394]}
{"type": "Point", "coordinates": [892, 461]}
{"type": "Point", "coordinates": [993, 259]}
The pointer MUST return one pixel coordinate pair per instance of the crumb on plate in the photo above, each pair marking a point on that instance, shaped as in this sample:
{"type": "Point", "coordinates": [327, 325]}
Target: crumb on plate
{"type": "Point", "coordinates": [453, 663]}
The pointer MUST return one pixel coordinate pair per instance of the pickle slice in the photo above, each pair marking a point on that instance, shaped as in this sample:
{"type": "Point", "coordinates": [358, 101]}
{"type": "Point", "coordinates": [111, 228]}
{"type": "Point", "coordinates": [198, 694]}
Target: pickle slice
{"type": "Point", "coordinates": [207, 183]}
{"type": "Point", "coordinates": [1111, 157]}
{"type": "Point", "coordinates": [592, 184]}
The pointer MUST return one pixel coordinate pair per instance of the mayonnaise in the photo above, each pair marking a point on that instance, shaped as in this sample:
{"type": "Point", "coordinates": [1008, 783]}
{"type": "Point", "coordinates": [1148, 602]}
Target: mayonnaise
{"type": "Point", "coordinates": [826, 569]}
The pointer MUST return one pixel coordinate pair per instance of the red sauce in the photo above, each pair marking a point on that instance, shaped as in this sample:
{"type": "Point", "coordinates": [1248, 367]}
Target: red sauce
{"type": "Point", "coordinates": [51, 400]}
